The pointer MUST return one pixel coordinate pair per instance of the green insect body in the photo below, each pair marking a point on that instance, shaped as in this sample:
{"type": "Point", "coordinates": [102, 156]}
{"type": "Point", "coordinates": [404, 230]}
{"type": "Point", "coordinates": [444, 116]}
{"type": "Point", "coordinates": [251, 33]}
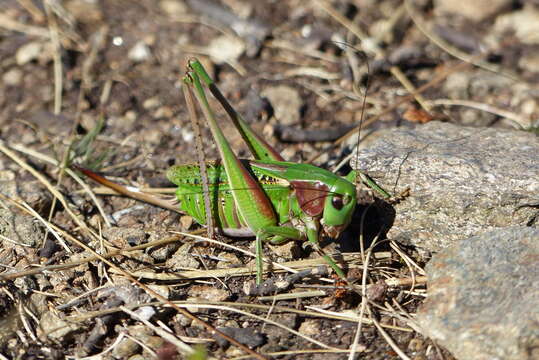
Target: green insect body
{"type": "Point", "coordinates": [295, 190]}
{"type": "Point", "coordinates": [268, 198]}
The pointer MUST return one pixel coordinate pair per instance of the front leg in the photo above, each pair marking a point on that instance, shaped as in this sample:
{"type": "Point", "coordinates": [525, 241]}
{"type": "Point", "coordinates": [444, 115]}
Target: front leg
{"type": "Point", "coordinates": [280, 234]}
{"type": "Point", "coordinates": [313, 233]}
{"type": "Point", "coordinates": [275, 235]}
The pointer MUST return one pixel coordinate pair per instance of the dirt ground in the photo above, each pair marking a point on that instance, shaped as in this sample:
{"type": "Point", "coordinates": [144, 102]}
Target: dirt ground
{"type": "Point", "coordinates": [69, 65]}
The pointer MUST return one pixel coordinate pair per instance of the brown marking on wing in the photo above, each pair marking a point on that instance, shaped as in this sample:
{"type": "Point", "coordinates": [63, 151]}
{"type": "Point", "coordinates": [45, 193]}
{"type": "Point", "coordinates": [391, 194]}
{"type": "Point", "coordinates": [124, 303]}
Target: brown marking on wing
{"type": "Point", "coordinates": [262, 203]}
{"type": "Point", "coordinates": [311, 196]}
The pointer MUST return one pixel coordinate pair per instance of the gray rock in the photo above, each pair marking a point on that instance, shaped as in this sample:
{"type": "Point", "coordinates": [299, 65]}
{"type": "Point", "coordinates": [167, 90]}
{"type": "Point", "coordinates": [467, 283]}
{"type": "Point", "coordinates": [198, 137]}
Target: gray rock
{"type": "Point", "coordinates": [20, 229]}
{"type": "Point", "coordinates": [483, 296]}
{"type": "Point", "coordinates": [55, 328]}
{"type": "Point", "coordinates": [464, 181]}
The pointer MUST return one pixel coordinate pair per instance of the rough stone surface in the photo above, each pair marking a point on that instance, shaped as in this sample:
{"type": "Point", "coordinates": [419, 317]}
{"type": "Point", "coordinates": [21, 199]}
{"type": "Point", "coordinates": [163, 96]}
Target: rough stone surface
{"type": "Point", "coordinates": [483, 296]}
{"type": "Point", "coordinates": [463, 181]}
{"type": "Point", "coordinates": [20, 229]}
{"type": "Point", "coordinates": [55, 328]}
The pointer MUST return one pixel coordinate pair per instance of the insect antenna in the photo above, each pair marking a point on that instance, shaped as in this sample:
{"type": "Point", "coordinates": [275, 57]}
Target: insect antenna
{"type": "Point", "coordinates": [351, 51]}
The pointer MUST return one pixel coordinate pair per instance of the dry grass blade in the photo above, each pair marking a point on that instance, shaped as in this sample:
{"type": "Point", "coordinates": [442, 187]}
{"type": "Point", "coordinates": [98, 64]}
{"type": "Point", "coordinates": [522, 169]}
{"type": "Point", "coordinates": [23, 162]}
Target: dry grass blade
{"type": "Point", "coordinates": [389, 340]}
{"type": "Point", "coordinates": [57, 58]}
{"type": "Point", "coordinates": [70, 172]}
{"type": "Point", "coordinates": [48, 185]}
{"type": "Point", "coordinates": [69, 265]}
{"type": "Point", "coordinates": [47, 225]}
{"type": "Point", "coordinates": [164, 334]}
{"type": "Point", "coordinates": [435, 81]}
{"type": "Point", "coordinates": [520, 121]}
{"type": "Point", "coordinates": [9, 24]}
{"type": "Point", "coordinates": [452, 50]}
{"type": "Point", "coordinates": [150, 291]}
{"type": "Point", "coordinates": [370, 42]}
{"type": "Point", "coordinates": [265, 320]}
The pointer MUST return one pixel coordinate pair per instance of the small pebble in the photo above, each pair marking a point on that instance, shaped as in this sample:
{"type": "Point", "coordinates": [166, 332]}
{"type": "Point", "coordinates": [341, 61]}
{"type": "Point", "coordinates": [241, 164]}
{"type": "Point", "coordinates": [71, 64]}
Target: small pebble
{"type": "Point", "coordinates": [140, 52]}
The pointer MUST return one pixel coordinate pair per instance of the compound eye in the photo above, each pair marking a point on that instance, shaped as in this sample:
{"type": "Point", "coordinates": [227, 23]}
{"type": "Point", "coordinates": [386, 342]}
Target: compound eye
{"type": "Point", "coordinates": [337, 202]}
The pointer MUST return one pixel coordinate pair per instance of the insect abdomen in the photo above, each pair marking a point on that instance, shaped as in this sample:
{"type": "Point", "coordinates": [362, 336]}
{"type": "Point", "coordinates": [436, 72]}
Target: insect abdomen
{"type": "Point", "coordinates": [224, 209]}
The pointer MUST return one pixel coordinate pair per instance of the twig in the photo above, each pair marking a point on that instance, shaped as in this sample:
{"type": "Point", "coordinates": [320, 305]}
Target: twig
{"type": "Point", "coordinates": [47, 184]}
{"type": "Point", "coordinates": [159, 331]}
{"type": "Point", "coordinates": [450, 49]}
{"type": "Point", "coordinates": [274, 285]}
{"type": "Point", "coordinates": [46, 224]}
{"type": "Point", "coordinates": [367, 41]}
{"type": "Point", "coordinates": [438, 79]}
{"type": "Point", "coordinates": [150, 291]}
{"type": "Point", "coordinates": [57, 59]}
{"type": "Point", "coordinates": [34, 11]}
{"type": "Point", "coordinates": [389, 340]}
{"type": "Point", "coordinates": [519, 120]}
{"type": "Point", "coordinates": [50, 160]}
{"type": "Point", "coordinates": [10, 24]}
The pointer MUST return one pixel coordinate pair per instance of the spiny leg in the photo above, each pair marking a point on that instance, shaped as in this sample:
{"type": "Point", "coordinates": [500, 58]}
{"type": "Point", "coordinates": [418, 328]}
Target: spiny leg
{"type": "Point", "coordinates": [260, 149]}
{"type": "Point", "coordinates": [252, 203]}
{"type": "Point", "coordinates": [312, 236]}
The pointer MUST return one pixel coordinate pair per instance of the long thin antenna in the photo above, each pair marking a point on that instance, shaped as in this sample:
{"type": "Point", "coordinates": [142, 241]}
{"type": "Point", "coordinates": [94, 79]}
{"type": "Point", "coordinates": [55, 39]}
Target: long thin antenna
{"type": "Point", "coordinates": [349, 48]}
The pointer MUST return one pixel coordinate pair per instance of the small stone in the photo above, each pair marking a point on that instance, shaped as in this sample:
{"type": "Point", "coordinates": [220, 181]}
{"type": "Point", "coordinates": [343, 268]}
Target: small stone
{"type": "Point", "coordinates": [524, 24]}
{"type": "Point", "coordinates": [125, 236]}
{"type": "Point", "coordinates": [286, 103]}
{"type": "Point", "coordinates": [84, 11]}
{"type": "Point", "coordinates": [163, 112]}
{"type": "Point", "coordinates": [154, 342]}
{"type": "Point", "coordinates": [529, 62]}
{"type": "Point", "coordinates": [456, 85]}
{"type": "Point", "coordinates": [55, 328]}
{"type": "Point", "coordinates": [229, 260]}
{"type": "Point", "coordinates": [310, 327]}
{"type": "Point", "coordinates": [209, 293]}
{"type": "Point", "coordinates": [140, 52]}
{"type": "Point", "coordinates": [162, 290]}
{"type": "Point", "coordinates": [247, 336]}
{"type": "Point", "coordinates": [13, 77]}
{"type": "Point", "coordinates": [182, 259]}
{"type": "Point", "coordinates": [28, 52]}
{"type": "Point", "coordinates": [151, 103]}
{"type": "Point", "coordinates": [286, 251]}
{"type": "Point", "coordinates": [126, 348]}
{"type": "Point", "coordinates": [20, 229]}
{"type": "Point", "coordinates": [186, 221]}
{"type": "Point", "coordinates": [225, 49]}
{"type": "Point", "coordinates": [137, 357]}
{"type": "Point", "coordinates": [173, 8]}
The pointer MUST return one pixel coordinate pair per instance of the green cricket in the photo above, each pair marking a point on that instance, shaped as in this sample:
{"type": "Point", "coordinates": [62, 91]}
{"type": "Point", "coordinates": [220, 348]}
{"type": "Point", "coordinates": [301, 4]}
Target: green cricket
{"type": "Point", "coordinates": [267, 198]}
